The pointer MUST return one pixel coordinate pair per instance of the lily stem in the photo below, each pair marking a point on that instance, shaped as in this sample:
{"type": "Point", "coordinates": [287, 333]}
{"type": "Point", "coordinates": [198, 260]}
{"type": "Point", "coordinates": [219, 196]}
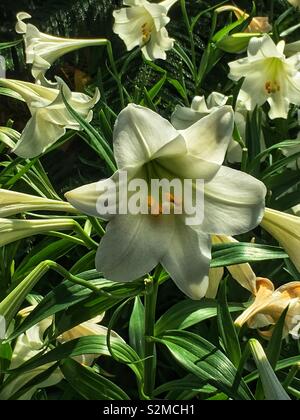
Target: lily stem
{"type": "Point", "coordinates": [151, 285]}
{"type": "Point", "coordinates": [115, 72]}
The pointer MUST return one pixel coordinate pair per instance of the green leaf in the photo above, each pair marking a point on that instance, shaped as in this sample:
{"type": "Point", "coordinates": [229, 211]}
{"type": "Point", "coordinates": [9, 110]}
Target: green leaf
{"type": "Point", "coordinates": [97, 141]}
{"type": "Point", "coordinates": [185, 388]}
{"type": "Point", "coordinates": [90, 384]}
{"type": "Point", "coordinates": [49, 249]}
{"type": "Point", "coordinates": [137, 327]}
{"type": "Point", "coordinates": [80, 303]}
{"type": "Point", "coordinates": [86, 345]}
{"type": "Point", "coordinates": [5, 45]}
{"type": "Point", "coordinates": [273, 389]}
{"type": "Point", "coordinates": [187, 313]}
{"type": "Point", "coordinates": [275, 344]}
{"type": "Point", "coordinates": [227, 329]}
{"type": "Point", "coordinates": [154, 91]}
{"type": "Point", "coordinates": [238, 253]}
{"type": "Point", "coordinates": [204, 360]}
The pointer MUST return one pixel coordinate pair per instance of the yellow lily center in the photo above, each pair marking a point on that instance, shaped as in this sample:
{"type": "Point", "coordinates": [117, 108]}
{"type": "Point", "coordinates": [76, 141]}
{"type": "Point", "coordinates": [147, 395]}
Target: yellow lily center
{"type": "Point", "coordinates": [272, 86]}
{"type": "Point", "coordinates": [147, 29]}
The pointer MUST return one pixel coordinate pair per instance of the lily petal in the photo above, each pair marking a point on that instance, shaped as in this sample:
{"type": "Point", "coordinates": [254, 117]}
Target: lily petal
{"type": "Point", "coordinates": [139, 133]}
{"type": "Point", "coordinates": [209, 138]}
{"type": "Point", "coordinates": [232, 203]}
{"type": "Point", "coordinates": [133, 245]}
{"type": "Point", "coordinates": [187, 260]}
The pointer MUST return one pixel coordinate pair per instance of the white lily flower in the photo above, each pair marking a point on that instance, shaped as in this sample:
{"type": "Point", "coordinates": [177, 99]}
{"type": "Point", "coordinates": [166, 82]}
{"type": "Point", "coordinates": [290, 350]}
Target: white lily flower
{"type": "Point", "coordinates": [268, 306]}
{"type": "Point", "coordinates": [149, 148]}
{"type": "Point", "coordinates": [285, 228]}
{"type": "Point", "coordinates": [30, 343]}
{"type": "Point", "coordinates": [184, 117]}
{"type": "Point", "coordinates": [9, 137]}
{"type": "Point", "coordinates": [12, 230]}
{"type": "Point", "coordinates": [143, 24]}
{"type": "Point", "coordinates": [42, 49]}
{"type": "Point", "coordinates": [12, 202]}
{"type": "Point", "coordinates": [242, 273]}
{"type": "Point", "coordinates": [50, 118]}
{"type": "Point", "coordinates": [269, 77]}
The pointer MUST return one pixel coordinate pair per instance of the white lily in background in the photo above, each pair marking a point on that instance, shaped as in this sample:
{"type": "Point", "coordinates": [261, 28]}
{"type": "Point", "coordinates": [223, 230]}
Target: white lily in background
{"type": "Point", "coordinates": [30, 343]}
{"type": "Point", "coordinates": [184, 117]}
{"type": "Point", "coordinates": [242, 273]}
{"type": "Point", "coordinates": [148, 147]}
{"type": "Point", "coordinates": [50, 118]}
{"type": "Point", "coordinates": [268, 306]}
{"type": "Point", "coordinates": [285, 228]}
{"type": "Point", "coordinates": [295, 3]}
{"type": "Point", "coordinates": [42, 49]}
{"type": "Point", "coordinates": [143, 24]}
{"type": "Point", "coordinates": [269, 77]}
{"type": "Point", "coordinates": [12, 202]}
{"type": "Point", "coordinates": [12, 230]}
{"type": "Point", "coordinates": [9, 137]}
{"type": "Point", "coordinates": [259, 24]}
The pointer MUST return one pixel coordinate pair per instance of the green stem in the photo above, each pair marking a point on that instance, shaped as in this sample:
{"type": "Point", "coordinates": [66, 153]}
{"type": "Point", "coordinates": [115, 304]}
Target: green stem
{"type": "Point", "coordinates": [151, 286]}
{"type": "Point", "coordinates": [191, 36]}
{"type": "Point", "coordinates": [11, 304]}
{"type": "Point", "coordinates": [115, 72]}
{"type": "Point", "coordinates": [85, 237]}
{"type": "Point", "coordinates": [290, 377]}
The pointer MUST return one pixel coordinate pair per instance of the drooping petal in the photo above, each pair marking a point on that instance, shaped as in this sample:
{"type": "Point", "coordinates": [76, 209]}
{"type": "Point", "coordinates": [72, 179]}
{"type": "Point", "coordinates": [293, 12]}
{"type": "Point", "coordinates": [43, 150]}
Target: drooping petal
{"type": "Point", "coordinates": [233, 203]}
{"type": "Point", "coordinates": [159, 43]}
{"type": "Point", "coordinates": [38, 136]}
{"type": "Point", "coordinates": [242, 273]}
{"type": "Point", "coordinates": [187, 260]}
{"type": "Point", "coordinates": [215, 277]}
{"type": "Point", "coordinates": [285, 228]}
{"type": "Point", "coordinates": [133, 245]}
{"type": "Point", "coordinates": [209, 138]}
{"type": "Point", "coordinates": [262, 299]}
{"type": "Point", "coordinates": [139, 133]}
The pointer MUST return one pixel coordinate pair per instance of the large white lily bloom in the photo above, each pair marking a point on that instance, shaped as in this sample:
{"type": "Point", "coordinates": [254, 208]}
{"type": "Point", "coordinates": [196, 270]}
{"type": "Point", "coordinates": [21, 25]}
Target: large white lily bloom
{"type": "Point", "coordinates": [12, 203]}
{"type": "Point", "coordinates": [285, 228]}
{"type": "Point", "coordinates": [269, 77]}
{"type": "Point", "coordinates": [50, 118]}
{"type": "Point", "coordinates": [184, 117]}
{"type": "Point", "coordinates": [30, 343]}
{"type": "Point", "coordinates": [42, 49]}
{"type": "Point", "coordinates": [268, 306]}
{"type": "Point", "coordinates": [143, 24]}
{"type": "Point", "coordinates": [148, 147]}
{"type": "Point", "coordinates": [242, 273]}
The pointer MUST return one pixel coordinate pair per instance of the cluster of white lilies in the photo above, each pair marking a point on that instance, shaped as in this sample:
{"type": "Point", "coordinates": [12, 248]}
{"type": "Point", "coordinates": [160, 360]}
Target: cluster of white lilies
{"type": "Point", "coordinates": [194, 145]}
